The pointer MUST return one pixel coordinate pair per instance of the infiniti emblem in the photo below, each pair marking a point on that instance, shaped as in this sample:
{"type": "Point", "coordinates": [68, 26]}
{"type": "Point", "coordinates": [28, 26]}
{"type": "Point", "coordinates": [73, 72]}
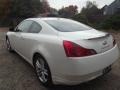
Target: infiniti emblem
{"type": "Point", "coordinates": [105, 43]}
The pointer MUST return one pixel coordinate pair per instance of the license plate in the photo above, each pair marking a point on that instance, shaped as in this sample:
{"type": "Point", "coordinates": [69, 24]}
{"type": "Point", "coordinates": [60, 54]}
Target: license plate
{"type": "Point", "coordinates": [107, 70]}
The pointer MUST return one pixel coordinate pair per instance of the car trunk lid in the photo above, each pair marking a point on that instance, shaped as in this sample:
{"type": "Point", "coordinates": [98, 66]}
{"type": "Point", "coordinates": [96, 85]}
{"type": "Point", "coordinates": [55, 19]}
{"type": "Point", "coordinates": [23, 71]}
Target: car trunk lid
{"type": "Point", "coordinates": [90, 39]}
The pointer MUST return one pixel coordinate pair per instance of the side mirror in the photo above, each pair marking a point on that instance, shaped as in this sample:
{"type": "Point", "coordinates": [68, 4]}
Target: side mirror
{"type": "Point", "coordinates": [11, 29]}
{"type": "Point", "coordinates": [18, 30]}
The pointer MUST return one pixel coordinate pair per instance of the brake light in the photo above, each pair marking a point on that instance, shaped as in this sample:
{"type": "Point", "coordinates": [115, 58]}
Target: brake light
{"type": "Point", "coordinates": [74, 50]}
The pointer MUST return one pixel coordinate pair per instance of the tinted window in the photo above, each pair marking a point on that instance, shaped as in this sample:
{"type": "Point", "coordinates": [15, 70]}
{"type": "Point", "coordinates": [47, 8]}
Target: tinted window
{"type": "Point", "coordinates": [35, 28]}
{"type": "Point", "coordinates": [67, 25]}
{"type": "Point", "coordinates": [25, 25]}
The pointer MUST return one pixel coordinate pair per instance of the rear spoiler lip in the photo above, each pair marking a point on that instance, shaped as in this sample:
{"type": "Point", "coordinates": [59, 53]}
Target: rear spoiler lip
{"type": "Point", "coordinates": [106, 35]}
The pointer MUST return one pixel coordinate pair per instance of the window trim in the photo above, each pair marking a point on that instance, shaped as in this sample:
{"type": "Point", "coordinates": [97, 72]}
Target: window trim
{"type": "Point", "coordinates": [23, 22]}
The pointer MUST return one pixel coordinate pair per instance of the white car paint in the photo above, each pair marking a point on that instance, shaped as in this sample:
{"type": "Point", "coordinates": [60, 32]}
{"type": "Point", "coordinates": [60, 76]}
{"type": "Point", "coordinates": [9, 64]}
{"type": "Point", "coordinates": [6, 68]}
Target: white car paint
{"type": "Point", "coordinates": [66, 70]}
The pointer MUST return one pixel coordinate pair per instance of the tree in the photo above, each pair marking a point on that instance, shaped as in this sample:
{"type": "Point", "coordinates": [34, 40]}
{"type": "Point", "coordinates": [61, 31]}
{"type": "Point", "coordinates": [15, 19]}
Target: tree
{"type": "Point", "coordinates": [111, 22]}
{"type": "Point", "coordinates": [45, 6]}
{"type": "Point", "coordinates": [15, 11]}
{"type": "Point", "coordinates": [4, 8]}
{"type": "Point", "coordinates": [69, 11]}
{"type": "Point", "coordinates": [81, 18]}
{"type": "Point", "coordinates": [91, 12]}
{"type": "Point", "coordinates": [22, 9]}
{"type": "Point", "coordinates": [25, 8]}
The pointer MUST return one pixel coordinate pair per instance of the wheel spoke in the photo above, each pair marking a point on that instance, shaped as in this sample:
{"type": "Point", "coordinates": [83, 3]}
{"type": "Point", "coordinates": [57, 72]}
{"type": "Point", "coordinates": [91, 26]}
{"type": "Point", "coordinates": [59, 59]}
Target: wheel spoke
{"type": "Point", "coordinates": [45, 72]}
{"type": "Point", "coordinates": [38, 64]}
{"type": "Point", "coordinates": [43, 77]}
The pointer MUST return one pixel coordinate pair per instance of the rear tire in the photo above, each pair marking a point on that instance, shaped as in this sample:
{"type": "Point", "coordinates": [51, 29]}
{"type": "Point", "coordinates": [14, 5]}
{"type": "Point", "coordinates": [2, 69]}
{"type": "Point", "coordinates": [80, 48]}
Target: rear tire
{"type": "Point", "coordinates": [42, 70]}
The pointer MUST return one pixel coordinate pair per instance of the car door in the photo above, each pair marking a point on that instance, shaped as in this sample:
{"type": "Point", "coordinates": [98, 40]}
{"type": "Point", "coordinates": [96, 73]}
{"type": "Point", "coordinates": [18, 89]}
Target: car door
{"type": "Point", "coordinates": [19, 35]}
{"type": "Point", "coordinates": [29, 41]}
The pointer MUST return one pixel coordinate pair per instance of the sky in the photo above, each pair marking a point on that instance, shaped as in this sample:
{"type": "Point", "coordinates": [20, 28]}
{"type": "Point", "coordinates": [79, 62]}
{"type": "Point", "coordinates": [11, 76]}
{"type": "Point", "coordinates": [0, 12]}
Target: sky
{"type": "Point", "coordinates": [80, 3]}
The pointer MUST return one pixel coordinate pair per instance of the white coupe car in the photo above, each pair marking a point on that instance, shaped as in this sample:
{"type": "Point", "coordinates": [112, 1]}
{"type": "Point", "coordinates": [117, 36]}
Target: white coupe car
{"type": "Point", "coordinates": [63, 51]}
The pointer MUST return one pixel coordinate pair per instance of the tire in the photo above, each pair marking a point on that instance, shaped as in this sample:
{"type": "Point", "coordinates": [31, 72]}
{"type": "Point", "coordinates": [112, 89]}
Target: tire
{"type": "Point", "coordinates": [42, 70]}
{"type": "Point", "coordinates": [9, 48]}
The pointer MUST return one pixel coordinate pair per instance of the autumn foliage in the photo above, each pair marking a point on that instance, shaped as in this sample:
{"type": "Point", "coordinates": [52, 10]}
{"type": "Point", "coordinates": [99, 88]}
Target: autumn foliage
{"type": "Point", "coordinates": [4, 8]}
{"type": "Point", "coordinates": [68, 11]}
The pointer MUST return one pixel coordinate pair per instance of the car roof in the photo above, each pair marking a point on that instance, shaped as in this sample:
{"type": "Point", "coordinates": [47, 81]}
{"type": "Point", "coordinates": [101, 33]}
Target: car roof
{"type": "Point", "coordinates": [47, 18]}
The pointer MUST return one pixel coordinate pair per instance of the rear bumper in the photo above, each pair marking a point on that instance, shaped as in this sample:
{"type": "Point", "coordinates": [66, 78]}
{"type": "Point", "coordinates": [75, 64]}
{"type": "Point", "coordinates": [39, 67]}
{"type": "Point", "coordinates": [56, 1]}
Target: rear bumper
{"type": "Point", "coordinates": [74, 80]}
{"type": "Point", "coordinates": [78, 70]}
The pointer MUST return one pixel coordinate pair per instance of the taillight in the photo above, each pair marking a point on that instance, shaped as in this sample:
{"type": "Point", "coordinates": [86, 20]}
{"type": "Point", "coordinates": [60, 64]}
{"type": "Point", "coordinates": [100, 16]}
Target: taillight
{"type": "Point", "coordinates": [74, 50]}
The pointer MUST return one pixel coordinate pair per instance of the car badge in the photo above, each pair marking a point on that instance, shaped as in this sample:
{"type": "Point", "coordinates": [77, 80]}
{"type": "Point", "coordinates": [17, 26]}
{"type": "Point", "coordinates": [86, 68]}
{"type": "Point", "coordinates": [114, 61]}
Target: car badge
{"type": "Point", "coordinates": [105, 43]}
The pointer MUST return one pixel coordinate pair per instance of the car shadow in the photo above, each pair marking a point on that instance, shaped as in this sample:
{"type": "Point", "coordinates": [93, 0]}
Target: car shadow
{"type": "Point", "coordinates": [108, 82]}
{"type": "Point", "coordinates": [90, 85]}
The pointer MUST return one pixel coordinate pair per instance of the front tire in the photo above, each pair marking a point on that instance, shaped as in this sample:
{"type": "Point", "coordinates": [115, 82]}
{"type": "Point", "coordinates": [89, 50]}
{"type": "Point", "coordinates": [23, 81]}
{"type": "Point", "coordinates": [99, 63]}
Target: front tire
{"type": "Point", "coordinates": [42, 70]}
{"type": "Point", "coordinates": [9, 48]}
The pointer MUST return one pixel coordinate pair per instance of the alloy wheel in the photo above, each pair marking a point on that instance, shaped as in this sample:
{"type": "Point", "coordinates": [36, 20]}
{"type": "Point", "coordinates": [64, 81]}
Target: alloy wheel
{"type": "Point", "coordinates": [41, 70]}
{"type": "Point", "coordinates": [8, 45]}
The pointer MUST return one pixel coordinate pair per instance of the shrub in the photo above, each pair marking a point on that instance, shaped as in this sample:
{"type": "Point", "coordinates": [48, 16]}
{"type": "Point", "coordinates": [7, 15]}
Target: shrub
{"type": "Point", "coordinates": [112, 22]}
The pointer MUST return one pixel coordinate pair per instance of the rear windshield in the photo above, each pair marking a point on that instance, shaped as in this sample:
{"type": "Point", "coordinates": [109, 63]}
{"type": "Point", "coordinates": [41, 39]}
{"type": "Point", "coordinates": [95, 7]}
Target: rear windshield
{"type": "Point", "coordinates": [67, 25]}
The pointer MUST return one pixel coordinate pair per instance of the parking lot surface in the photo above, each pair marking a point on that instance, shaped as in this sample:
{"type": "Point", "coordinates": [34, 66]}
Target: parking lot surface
{"type": "Point", "coordinates": [17, 74]}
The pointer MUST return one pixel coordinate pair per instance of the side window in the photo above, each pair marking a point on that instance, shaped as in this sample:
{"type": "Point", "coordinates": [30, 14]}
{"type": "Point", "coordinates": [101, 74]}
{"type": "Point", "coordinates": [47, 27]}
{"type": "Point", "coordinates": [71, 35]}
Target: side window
{"type": "Point", "coordinates": [35, 28]}
{"type": "Point", "coordinates": [25, 26]}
